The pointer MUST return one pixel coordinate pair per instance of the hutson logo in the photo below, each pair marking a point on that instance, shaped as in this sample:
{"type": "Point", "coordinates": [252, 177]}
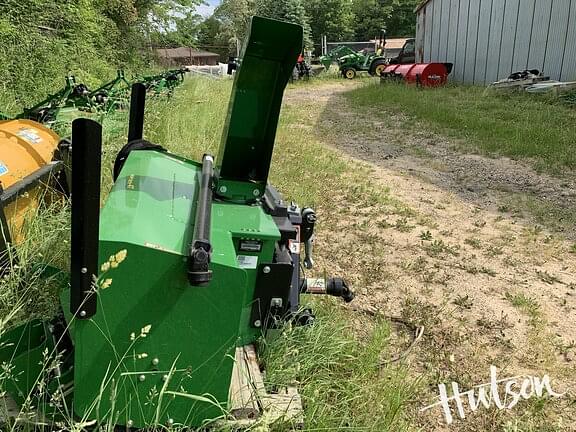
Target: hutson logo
{"type": "Point", "coordinates": [502, 393]}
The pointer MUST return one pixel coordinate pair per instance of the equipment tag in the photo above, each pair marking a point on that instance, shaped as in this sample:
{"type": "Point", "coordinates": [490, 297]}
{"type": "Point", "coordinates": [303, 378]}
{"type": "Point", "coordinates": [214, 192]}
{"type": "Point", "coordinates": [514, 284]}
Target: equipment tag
{"type": "Point", "coordinates": [294, 245]}
{"type": "Point", "coordinates": [247, 261]}
{"type": "Point", "coordinates": [250, 246]}
{"type": "Point", "coordinates": [316, 285]}
{"type": "Point", "coordinates": [3, 169]}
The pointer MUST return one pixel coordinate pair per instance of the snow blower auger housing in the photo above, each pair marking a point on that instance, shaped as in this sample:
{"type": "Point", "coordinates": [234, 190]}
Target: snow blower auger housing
{"type": "Point", "coordinates": [192, 260]}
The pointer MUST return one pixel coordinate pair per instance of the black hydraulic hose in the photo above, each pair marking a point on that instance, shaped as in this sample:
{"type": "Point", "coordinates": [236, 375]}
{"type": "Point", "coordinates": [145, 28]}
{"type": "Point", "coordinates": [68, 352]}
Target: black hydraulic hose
{"type": "Point", "coordinates": [199, 273]}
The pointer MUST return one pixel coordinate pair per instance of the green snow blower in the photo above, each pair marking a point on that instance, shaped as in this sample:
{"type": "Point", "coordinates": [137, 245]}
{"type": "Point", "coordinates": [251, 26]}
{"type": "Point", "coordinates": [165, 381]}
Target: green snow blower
{"type": "Point", "coordinates": [186, 263]}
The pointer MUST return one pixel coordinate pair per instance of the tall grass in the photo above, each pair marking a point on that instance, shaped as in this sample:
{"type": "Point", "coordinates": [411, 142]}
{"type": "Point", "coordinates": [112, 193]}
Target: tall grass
{"type": "Point", "coordinates": [514, 125]}
{"type": "Point", "coordinates": [337, 363]}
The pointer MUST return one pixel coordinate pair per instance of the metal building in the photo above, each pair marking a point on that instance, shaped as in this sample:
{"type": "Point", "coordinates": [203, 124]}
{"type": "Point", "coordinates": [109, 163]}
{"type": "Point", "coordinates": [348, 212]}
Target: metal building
{"type": "Point", "coordinates": [489, 39]}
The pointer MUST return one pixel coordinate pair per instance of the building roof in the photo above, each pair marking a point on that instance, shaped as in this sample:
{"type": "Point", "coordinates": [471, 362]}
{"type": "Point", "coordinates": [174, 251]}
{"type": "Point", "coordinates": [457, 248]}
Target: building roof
{"type": "Point", "coordinates": [393, 43]}
{"type": "Point", "coordinates": [184, 52]}
{"type": "Point", "coordinates": [421, 5]}
{"type": "Point", "coordinates": [397, 43]}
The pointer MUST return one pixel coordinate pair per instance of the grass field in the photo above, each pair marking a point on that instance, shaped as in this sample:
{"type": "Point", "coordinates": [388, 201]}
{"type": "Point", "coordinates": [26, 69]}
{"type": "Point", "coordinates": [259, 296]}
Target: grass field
{"type": "Point", "coordinates": [345, 364]}
{"type": "Point", "coordinates": [514, 125]}
{"type": "Point", "coordinates": [338, 369]}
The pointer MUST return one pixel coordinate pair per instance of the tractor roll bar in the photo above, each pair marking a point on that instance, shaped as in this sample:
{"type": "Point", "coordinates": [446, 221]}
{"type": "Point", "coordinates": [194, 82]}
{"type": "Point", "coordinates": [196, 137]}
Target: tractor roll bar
{"type": "Point", "coordinates": [199, 273]}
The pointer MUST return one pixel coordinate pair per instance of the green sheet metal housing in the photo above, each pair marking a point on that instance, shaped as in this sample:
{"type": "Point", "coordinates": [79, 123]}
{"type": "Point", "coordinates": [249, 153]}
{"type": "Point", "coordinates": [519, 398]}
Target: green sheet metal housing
{"type": "Point", "coordinates": [153, 332]}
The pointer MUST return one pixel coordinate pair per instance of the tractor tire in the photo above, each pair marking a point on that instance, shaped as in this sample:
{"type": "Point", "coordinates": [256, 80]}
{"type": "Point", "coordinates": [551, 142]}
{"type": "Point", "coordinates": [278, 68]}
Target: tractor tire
{"type": "Point", "coordinates": [377, 67]}
{"type": "Point", "coordinates": [349, 73]}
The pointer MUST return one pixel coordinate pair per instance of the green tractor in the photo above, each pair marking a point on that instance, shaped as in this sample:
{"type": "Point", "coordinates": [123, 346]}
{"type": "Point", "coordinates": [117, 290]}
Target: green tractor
{"type": "Point", "coordinates": [334, 55]}
{"type": "Point", "coordinates": [351, 64]}
{"type": "Point", "coordinates": [372, 62]}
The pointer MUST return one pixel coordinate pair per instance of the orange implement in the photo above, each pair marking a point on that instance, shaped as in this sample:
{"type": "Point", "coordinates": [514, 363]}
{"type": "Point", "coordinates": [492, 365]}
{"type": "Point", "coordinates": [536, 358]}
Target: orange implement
{"type": "Point", "coordinates": [25, 148]}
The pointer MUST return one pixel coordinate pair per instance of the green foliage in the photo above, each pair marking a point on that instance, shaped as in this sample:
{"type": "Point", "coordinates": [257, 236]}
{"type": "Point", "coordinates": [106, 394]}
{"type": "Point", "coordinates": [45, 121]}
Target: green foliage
{"type": "Point", "coordinates": [343, 381]}
{"type": "Point", "coordinates": [164, 13]}
{"type": "Point", "coordinates": [339, 20]}
{"type": "Point", "coordinates": [43, 40]}
{"type": "Point", "coordinates": [287, 10]}
{"type": "Point", "coordinates": [332, 18]}
{"type": "Point", "coordinates": [234, 17]}
{"type": "Point", "coordinates": [371, 17]}
{"type": "Point", "coordinates": [396, 16]}
{"type": "Point", "coordinates": [402, 21]}
{"type": "Point", "coordinates": [212, 37]}
{"type": "Point", "coordinates": [184, 32]}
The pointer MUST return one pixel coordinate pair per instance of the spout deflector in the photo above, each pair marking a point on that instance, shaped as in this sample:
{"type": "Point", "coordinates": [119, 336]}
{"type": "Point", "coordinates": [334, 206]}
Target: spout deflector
{"type": "Point", "coordinates": [248, 139]}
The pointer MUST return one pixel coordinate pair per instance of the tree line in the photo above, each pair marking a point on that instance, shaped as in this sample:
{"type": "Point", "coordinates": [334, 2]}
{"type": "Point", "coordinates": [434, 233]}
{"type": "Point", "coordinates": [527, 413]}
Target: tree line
{"type": "Point", "coordinates": [338, 20]}
{"type": "Point", "coordinates": [43, 40]}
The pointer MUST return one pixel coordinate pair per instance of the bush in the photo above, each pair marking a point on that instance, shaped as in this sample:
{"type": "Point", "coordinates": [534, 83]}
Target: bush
{"type": "Point", "coordinates": [43, 40]}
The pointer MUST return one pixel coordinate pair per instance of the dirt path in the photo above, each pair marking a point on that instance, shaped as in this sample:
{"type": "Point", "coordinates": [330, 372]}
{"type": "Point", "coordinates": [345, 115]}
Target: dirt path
{"type": "Point", "coordinates": [503, 184]}
{"type": "Point", "coordinates": [490, 287]}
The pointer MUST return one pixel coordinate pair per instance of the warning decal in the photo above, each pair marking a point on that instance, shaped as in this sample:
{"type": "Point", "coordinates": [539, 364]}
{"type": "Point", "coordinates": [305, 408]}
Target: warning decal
{"type": "Point", "coordinates": [247, 261]}
{"type": "Point", "coordinates": [3, 169]}
{"type": "Point", "coordinates": [29, 135]}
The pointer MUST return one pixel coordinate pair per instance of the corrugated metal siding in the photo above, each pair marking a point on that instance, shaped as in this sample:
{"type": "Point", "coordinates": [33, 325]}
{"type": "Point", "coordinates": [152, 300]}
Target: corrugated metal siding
{"type": "Point", "coordinates": [557, 37]}
{"type": "Point", "coordinates": [495, 40]}
{"type": "Point", "coordinates": [444, 28]}
{"type": "Point", "coordinates": [540, 35]}
{"type": "Point", "coordinates": [569, 60]}
{"type": "Point", "coordinates": [436, 26]}
{"type": "Point", "coordinates": [420, 30]}
{"type": "Point", "coordinates": [511, 12]}
{"type": "Point", "coordinates": [488, 39]}
{"type": "Point", "coordinates": [461, 40]}
{"type": "Point", "coordinates": [523, 35]}
{"type": "Point", "coordinates": [471, 40]}
{"type": "Point", "coordinates": [453, 30]}
{"type": "Point", "coordinates": [483, 38]}
{"type": "Point", "coordinates": [429, 13]}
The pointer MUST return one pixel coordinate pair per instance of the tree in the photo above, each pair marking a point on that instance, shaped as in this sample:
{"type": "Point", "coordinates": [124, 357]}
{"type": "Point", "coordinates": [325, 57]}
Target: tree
{"type": "Point", "coordinates": [208, 31]}
{"type": "Point", "coordinates": [287, 10]}
{"type": "Point", "coordinates": [402, 22]}
{"type": "Point", "coordinates": [213, 37]}
{"type": "Point", "coordinates": [187, 29]}
{"type": "Point", "coordinates": [234, 16]}
{"type": "Point", "coordinates": [333, 18]}
{"type": "Point", "coordinates": [370, 17]}
{"type": "Point", "coordinates": [397, 17]}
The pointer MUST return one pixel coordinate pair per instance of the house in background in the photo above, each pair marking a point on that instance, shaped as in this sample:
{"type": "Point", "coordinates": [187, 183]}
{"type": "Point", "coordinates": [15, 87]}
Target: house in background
{"type": "Point", "coordinates": [487, 40]}
{"type": "Point", "coordinates": [185, 56]}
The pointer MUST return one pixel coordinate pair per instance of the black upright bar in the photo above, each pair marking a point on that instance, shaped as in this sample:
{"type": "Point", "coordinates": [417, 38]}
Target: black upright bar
{"type": "Point", "coordinates": [137, 106]}
{"type": "Point", "coordinates": [86, 164]}
{"type": "Point", "coordinates": [199, 273]}
{"type": "Point", "coordinates": [5, 239]}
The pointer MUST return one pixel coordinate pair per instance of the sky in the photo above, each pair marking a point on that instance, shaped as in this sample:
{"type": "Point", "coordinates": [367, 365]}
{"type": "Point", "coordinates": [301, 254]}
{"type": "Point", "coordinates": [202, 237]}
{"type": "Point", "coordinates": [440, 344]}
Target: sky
{"type": "Point", "coordinates": [206, 10]}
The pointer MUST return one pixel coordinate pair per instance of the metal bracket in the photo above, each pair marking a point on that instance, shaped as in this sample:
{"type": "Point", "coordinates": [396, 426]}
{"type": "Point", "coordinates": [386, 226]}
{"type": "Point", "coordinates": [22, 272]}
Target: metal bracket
{"type": "Point", "coordinates": [273, 282]}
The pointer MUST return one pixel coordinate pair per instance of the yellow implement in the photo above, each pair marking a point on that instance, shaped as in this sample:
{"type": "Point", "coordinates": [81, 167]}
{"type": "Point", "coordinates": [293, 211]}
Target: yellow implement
{"type": "Point", "coordinates": [27, 151]}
